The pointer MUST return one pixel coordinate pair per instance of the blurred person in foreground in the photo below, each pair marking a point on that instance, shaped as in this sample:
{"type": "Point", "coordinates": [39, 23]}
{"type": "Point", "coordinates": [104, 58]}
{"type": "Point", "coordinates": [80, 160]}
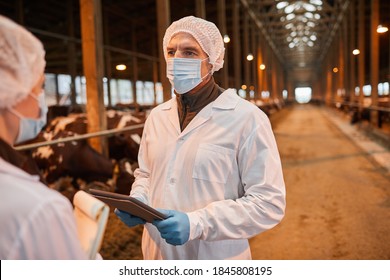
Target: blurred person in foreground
{"type": "Point", "coordinates": [35, 221]}
{"type": "Point", "coordinates": [208, 158]}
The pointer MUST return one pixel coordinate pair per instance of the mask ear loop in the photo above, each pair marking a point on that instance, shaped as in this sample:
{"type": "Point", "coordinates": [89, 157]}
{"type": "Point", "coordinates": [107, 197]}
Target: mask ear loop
{"type": "Point", "coordinates": [16, 113]}
{"type": "Point", "coordinates": [19, 115]}
{"type": "Point", "coordinates": [208, 73]}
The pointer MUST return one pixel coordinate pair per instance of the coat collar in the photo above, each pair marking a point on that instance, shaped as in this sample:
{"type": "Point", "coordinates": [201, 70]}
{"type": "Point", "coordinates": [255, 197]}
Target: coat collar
{"type": "Point", "coordinates": [228, 100]}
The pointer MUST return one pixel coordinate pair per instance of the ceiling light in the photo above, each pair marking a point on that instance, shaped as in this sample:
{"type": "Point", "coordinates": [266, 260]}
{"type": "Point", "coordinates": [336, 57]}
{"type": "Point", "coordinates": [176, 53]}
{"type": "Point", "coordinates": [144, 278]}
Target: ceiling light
{"type": "Point", "coordinates": [290, 16]}
{"type": "Point", "coordinates": [281, 5]}
{"type": "Point", "coordinates": [313, 37]}
{"type": "Point", "coordinates": [289, 9]}
{"type": "Point", "coordinates": [249, 57]}
{"type": "Point", "coordinates": [382, 29]}
{"type": "Point", "coordinates": [262, 66]}
{"type": "Point", "coordinates": [291, 45]}
{"type": "Point", "coordinates": [355, 52]}
{"type": "Point", "coordinates": [120, 67]}
{"type": "Point", "coordinates": [335, 70]}
{"type": "Point", "coordinates": [310, 44]}
{"type": "Point", "coordinates": [309, 7]}
{"type": "Point", "coordinates": [309, 15]}
{"type": "Point", "coordinates": [226, 38]}
{"type": "Point", "coordinates": [316, 2]}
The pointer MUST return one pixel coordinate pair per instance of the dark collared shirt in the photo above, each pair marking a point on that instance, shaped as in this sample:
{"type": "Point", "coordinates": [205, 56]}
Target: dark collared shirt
{"type": "Point", "coordinates": [190, 104]}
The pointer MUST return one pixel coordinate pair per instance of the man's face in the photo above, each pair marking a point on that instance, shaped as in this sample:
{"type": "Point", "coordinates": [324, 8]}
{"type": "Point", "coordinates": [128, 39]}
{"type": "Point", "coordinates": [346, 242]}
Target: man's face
{"type": "Point", "coordinates": [183, 45]}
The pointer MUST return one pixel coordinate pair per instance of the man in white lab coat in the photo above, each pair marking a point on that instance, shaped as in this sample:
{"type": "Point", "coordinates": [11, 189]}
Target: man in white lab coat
{"type": "Point", "coordinates": [35, 221]}
{"type": "Point", "coordinates": [208, 158]}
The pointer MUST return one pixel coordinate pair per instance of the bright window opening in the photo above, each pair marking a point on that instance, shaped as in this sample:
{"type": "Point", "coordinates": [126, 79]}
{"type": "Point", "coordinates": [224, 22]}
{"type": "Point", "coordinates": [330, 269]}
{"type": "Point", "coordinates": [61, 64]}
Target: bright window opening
{"type": "Point", "coordinates": [303, 94]}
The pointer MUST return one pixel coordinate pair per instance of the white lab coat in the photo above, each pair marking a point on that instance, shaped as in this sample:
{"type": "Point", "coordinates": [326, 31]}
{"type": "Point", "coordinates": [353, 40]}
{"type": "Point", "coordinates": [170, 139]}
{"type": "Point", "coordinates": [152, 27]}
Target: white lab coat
{"type": "Point", "coordinates": [35, 221]}
{"type": "Point", "coordinates": [223, 170]}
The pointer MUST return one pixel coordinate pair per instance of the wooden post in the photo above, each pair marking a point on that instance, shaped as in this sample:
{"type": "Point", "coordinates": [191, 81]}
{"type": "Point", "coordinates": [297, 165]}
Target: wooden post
{"type": "Point", "coordinates": [72, 63]}
{"type": "Point", "coordinates": [57, 90]}
{"type": "Point", "coordinates": [163, 21]}
{"type": "Point", "coordinates": [237, 56]}
{"type": "Point", "coordinates": [341, 86]}
{"type": "Point", "coordinates": [352, 39]}
{"type": "Point", "coordinates": [155, 80]}
{"type": "Point", "coordinates": [274, 76]}
{"type": "Point", "coordinates": [135, 64]}
{"type": "Point", "coordinates": [260, 75]}
{"type": "Point", "coordinates": [200, 9]}
{"type": "Point", "coordinates": [92, 45]}
{"type": "Point", "coordinates": [329, 80]}
{"type": "Point", "coordinates": [362, 55]}
{"type": "Point", "coordinates": [107, 54]}
{"type": "Point", "coordinates": [19, 11]}
{"type": "Point", "coordinates": [222, 28]}
{"type": "Point", "coordinates": [374, 59]}
{"type": "Point", "coordinates": [254, 61]}
{"type": "Point", "coordinates": [246, 52]}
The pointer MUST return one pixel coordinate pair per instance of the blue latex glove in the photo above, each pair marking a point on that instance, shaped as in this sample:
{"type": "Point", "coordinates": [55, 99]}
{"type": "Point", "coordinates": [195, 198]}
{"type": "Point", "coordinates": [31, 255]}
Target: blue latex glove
{"type": "Point", "coordinates": [128, 219]}
{"type": "Point", "coordinates": [175, 229]}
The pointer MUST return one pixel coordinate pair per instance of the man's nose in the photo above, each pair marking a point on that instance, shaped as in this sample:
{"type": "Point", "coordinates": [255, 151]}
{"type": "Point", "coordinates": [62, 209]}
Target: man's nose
{"type": "Point", "coordinates": [178, 54]}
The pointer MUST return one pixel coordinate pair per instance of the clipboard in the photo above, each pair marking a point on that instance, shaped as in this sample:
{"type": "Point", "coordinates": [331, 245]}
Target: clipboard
{"type": "Point", "coordinates": [128, 204]}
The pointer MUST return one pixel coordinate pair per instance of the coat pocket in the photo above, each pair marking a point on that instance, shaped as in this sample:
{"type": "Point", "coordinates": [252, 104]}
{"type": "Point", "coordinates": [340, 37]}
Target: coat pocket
{"type": "Point", "coordinates": [213, 163]}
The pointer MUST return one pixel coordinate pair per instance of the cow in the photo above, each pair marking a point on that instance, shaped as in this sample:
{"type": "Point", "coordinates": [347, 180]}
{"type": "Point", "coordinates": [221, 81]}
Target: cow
{"type": "Point", "coordinates": [74, 165]}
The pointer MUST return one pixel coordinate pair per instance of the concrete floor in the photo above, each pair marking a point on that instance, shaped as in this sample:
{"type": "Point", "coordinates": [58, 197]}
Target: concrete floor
{"type": "Point", "coordinates": [338, 193]}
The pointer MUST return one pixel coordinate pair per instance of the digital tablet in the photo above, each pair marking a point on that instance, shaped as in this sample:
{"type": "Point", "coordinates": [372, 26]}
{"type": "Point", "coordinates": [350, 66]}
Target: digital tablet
{"type": "Point", "coordinates": [128, 204]}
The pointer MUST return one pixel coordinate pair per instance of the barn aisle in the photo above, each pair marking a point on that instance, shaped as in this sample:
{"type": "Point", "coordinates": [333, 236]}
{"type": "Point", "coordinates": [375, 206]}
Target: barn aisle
{"type": "Point", "coordinates": [338, 197]}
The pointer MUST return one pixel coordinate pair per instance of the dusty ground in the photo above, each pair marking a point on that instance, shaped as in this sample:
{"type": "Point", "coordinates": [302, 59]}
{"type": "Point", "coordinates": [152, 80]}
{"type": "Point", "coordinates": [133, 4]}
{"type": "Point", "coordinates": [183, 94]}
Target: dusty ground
{"type": "Point", "coordinates": [338, 199]}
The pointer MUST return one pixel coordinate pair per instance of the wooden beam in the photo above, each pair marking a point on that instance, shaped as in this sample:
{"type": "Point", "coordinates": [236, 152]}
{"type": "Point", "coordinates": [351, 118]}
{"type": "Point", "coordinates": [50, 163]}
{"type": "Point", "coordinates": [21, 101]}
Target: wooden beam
{"type": "Point", "coordinates": [107, 55]}
{"type": "Point", "coordinates": [72, 62]}
{"type": "Point", "coordinates": [362, 55]}
{"type": "Point", "coordinates": [237, 56]}
{"type": "Point", "coordinates": [92, 46]}
{"type": "Point", "coordinates": [134, 64]}
{"type": "Point", "coordinates": [163, 21]}
{"type": "Point", "coordinates": [246, 51]}
{"type": "Point", "coordinates": [222, 28]}
{"type": "Point", "coordinates": [374, 59]}
{"type": "Point", "coordinates": [200, 8]}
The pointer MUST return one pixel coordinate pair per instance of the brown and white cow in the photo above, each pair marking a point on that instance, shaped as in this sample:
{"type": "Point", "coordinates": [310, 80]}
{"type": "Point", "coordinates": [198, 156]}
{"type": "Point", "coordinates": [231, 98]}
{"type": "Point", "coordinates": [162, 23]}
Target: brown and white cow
{"type": "Point", "coordinates": [77, 163]}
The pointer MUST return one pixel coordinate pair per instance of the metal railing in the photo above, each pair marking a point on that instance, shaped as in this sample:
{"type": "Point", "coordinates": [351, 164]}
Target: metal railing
{"type": "Point", "coordinates": [357, 105]}
{"type": "Point", "coordinates": [106, 133]}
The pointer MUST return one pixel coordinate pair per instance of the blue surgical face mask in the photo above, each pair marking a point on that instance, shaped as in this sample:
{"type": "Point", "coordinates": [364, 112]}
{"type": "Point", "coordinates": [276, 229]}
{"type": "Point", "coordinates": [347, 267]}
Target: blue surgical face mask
{"type": "Point", "coordinates": [29, 128]}
{"type": "Point", "coordinates": [184, 73]}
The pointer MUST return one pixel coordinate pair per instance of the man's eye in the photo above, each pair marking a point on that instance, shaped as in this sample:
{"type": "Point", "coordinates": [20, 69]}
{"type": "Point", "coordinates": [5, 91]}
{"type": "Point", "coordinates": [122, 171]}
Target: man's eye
{"type": "Point", "coordinates": [171, 52]}
{"type": "Point", "coordinates": [188, 53]}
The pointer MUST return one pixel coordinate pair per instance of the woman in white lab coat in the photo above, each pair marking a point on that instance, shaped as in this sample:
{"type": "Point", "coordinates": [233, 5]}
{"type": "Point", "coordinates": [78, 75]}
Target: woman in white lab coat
{"type": "Point", "coordinates": [35, 221]}
{"type": "Point", "coordinates": [208, 158]}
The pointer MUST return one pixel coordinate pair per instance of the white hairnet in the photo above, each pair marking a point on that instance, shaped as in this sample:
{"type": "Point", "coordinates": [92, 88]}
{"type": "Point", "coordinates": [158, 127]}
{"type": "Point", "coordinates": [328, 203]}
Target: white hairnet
{"type": "Point", "coordinates": [22, 62]}
{"type": "Point", "coordinates": [204, 32]}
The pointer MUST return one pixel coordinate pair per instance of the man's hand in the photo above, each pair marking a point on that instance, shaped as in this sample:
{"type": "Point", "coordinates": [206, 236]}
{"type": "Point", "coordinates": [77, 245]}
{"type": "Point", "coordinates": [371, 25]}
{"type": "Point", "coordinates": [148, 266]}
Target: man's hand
{"type": "Point", "coordinates": [128, 219]}
{"type": "Point", "coordinates": [175, 229]}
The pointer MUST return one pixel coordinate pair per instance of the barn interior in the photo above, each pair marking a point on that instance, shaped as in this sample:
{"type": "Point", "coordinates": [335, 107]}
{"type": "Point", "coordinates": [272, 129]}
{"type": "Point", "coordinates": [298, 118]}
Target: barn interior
{"type": "Point", "coordinates": [106, 70]}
